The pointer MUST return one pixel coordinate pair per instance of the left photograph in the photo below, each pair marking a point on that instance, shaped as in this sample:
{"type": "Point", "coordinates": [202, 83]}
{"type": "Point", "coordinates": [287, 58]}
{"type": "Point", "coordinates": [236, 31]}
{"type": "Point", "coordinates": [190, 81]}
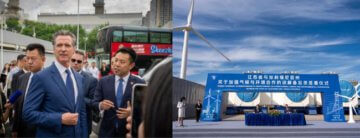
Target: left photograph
{"type": "Point", "coordinates": [86, 68]}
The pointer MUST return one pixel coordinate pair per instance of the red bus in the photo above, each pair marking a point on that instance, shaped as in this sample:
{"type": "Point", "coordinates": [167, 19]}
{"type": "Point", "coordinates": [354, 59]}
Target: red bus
{"type": "Point", "coordinates": [150, 44]}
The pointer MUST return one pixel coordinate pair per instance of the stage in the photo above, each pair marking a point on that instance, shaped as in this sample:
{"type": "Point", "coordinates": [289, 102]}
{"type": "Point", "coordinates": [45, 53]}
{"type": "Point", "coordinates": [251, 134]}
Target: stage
{"type": "Point", "coordinates": [236, 128]}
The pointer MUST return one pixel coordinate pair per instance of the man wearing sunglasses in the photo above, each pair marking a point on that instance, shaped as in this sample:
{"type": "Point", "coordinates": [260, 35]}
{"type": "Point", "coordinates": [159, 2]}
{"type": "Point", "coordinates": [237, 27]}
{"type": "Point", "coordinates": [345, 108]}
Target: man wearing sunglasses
{"type": "Point", "coordinates": [89, 83]}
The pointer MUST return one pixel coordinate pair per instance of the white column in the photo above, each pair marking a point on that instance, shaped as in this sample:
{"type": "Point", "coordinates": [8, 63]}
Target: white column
{"type": "Point", "coordinates": [2, 41]}
{"type": "Point", "coordinates": [184, 56]}
{"type": "Point", "coordinates": [78, 26]}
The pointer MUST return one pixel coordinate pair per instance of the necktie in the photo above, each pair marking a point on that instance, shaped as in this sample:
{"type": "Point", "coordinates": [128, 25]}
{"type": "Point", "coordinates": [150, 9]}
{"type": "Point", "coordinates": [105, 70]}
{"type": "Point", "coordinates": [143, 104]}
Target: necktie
{"type": "Point", "coordinates": [69, 85]}
{"type": "Point", "coordinates": [119, 93]}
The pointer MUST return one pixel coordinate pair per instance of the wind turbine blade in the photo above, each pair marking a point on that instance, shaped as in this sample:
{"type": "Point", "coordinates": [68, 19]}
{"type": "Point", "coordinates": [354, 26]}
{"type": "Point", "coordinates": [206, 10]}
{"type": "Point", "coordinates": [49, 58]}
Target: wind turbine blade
{"type": "Point", "coordinates": [181, 28]}
{"type": "Point", "coordinates": [210, 45]}
{"type": "Point", "coordinates": [189, 19]}
{"type": "Point", "coordinates": [343, 96]}
{"type": "Point", "coordinates": [353, 97]}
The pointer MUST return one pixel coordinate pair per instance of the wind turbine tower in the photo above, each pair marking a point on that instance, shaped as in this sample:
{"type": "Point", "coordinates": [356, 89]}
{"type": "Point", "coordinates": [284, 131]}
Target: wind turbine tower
{"type": "Point", "coordinates": [187, 28]}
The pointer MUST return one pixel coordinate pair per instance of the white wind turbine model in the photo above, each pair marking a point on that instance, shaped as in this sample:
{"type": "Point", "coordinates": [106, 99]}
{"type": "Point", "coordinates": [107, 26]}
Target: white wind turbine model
{"type": "Point", "coordinates": [351, 107]}
{"type": "Point", "coordinates": [188, 27]}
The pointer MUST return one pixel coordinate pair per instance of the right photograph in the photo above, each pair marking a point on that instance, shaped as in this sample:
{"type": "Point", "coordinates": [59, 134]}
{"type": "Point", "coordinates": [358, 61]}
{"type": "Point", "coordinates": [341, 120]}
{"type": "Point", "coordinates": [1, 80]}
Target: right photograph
{"type": "Point", "coordinates": [271, 68]}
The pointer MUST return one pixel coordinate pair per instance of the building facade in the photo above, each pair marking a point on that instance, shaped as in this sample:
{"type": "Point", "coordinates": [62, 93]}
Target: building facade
{"type": "Point", "coordinates": [160, 14]}
{"type": "Point", "coordinates": [90, 21]}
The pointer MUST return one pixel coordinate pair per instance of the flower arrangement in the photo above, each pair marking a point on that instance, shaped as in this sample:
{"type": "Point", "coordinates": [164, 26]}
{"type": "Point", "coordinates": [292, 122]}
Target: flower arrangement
{"type": "Point", "coordinates": [274, 112]}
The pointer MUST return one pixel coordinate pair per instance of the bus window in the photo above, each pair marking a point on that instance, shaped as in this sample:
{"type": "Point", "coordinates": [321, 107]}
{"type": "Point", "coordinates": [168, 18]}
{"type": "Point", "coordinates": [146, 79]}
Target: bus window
{"type": "Point", "coordinates": [117, 36]}
{"type": "Point", "coordinates": [165, 38]}
{"type": "Point", "coordinates": [155, 37]}
{"type": "Point", "coordinates": [137, 37]}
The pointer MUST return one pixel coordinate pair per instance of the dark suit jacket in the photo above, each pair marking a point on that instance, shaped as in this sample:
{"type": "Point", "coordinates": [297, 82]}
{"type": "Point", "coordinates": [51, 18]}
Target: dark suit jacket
{"type": "Point", "coordinates": [106, 90]}
{"type": "Point", "coordinates": [14, 82]}
{"type": "Point", "coordinates": [89, 88]}
{"type": "Point", "coordinates": [47, 100]}
{"type": "Point", "coordinates": [23, 129]}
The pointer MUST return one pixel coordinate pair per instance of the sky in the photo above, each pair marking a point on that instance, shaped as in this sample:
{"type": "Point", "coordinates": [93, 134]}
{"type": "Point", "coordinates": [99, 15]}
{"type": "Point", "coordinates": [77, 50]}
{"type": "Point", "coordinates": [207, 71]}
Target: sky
{"type": "Point", "coordinates": [273, 36]}
{"type": "Point", "coordinates": [34, 7]}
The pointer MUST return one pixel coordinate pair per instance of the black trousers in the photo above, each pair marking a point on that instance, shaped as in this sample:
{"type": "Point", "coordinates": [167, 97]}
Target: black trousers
{"type": "Point", "coordinates": [197, 115]}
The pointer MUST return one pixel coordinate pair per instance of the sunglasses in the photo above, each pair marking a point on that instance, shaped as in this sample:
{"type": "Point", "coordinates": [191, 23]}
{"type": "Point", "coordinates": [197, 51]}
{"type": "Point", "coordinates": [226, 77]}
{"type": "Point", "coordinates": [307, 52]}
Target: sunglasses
{"type": "Point", "coordinates": [78, 61]}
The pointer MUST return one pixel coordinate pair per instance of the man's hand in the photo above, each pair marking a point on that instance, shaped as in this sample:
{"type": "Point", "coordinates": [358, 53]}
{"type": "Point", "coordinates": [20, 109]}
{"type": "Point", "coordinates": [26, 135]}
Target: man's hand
{"type": "Point", "coordinates": [8, 105]}
{"type": "Point", "coordinates": [69, 118]}
{"type": "Point", "coordinates": [122, 113]}
{"type": "Point", "coordinates": [106, 105]}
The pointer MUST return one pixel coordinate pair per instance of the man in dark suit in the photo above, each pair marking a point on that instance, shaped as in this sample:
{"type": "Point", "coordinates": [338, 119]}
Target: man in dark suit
{"type": "Point", "coordinates": [35, 59]}
{"type": "Point", "coordinates": [113, 93]}
{"type": "Point", "coordinates": [90, 83]}
{"type": "Point", "coordinates": [55, 99]}
{"type": "Point", "coordinates": [21, 59]}
{"type": "Point", "coordinates": [21, 65]}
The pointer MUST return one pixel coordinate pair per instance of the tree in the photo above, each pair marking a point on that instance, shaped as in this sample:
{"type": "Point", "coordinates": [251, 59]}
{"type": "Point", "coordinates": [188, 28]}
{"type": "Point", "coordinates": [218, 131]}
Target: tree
{"type": "Point", "coordinates": [45, 31]}
{"type": "Point", "coordinates": [92, 38]}
{"type": "Point", "coordinates": [13, 25]}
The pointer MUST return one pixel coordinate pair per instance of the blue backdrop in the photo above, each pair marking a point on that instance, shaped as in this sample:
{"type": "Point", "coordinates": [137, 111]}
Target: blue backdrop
{"type": "Point", "coordinates": [347, 89]}
{"type": "Point", "coordinates": [296, 96]}
{"type": "Point", "coordinates": [247, 96]}
{"type": "Point", "coordinates": [328, 84]}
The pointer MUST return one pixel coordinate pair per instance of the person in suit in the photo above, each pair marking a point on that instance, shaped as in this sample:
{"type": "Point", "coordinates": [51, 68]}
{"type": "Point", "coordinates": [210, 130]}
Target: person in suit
{"type": "Point", "coordinates": [198, 107]}
{"type": "Point", "coordinates": [55, 99]}
{"type": "Point", "coordinates": [113, 93]}
{"type": "Point", "coordinates": [21, 59]}
{"type": "Point", "coordinates": [90, 83]}
{"type": "Point", "coordinates": [35, 57]}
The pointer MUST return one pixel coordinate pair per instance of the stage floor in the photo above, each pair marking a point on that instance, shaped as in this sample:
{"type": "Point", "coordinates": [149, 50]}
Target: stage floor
{"type": "Point", "coordinates": [307, 117]}
{"type": "Point", "coordinates": [232, 128]}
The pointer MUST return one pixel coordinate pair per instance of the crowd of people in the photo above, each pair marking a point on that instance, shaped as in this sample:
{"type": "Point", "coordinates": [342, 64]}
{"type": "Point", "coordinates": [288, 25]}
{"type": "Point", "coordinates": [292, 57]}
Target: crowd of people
{"type": "Point", "coordinates": [60, 100]}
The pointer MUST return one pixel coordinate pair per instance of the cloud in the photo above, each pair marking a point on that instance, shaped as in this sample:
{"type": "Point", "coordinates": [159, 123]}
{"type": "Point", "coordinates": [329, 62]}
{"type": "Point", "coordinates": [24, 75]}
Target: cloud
{"type": "Point", "coordinates": [35, 7]}
{"type": "Point", "coordinates": [244, 59]}
{"type": "Point", "coordinates": [339, 41]}
{"type": "Point", "coordinates": [267, 11]}
{"type": "Point", "coordinates": [304, 42]}
{"type": "Point", "coordinates": [260, 48]}
{"type": "Point", "coordinates": [272, 36]}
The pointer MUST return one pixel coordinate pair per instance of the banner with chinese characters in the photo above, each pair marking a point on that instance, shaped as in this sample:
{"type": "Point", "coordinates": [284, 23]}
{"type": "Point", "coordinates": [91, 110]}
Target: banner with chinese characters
{"type": "Point", "coordinates": [327, 84]}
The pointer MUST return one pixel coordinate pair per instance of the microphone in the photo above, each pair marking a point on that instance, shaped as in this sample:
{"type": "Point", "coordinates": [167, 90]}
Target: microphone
{"type": "Point", "coordinates": [14, 96]}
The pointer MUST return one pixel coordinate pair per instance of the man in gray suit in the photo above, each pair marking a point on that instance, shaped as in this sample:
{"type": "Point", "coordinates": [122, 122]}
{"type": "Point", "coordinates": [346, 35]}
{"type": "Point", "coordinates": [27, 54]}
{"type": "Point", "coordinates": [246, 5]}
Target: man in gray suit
{"type": "Point", "coordinates": [35, 56]}
{"type": "Point", "coordinates": [77, 62]}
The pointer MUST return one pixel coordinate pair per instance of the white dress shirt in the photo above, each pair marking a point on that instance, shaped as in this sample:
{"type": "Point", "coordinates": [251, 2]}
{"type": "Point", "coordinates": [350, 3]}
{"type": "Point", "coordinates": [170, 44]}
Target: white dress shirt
{"type": "Point", "coordinates": [94, 72]}
{"type": "Point", "coordinates": [63, 75]}
{"type": "Point", "coordinates": [125, 80]}
{"type": "Point", "coordinates": [117, 79]}
{"type": "Point", "coordinates": [28, 84]}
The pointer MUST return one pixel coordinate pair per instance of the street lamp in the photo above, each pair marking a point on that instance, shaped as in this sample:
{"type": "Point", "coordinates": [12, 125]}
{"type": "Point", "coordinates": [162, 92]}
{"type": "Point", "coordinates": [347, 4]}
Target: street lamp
{"type": "Point", "coordinates": [78, 26]}
{"type": "Point", "coordinates": [2, 37]}
{"type": "Point", "coordinates": [85, 43]}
